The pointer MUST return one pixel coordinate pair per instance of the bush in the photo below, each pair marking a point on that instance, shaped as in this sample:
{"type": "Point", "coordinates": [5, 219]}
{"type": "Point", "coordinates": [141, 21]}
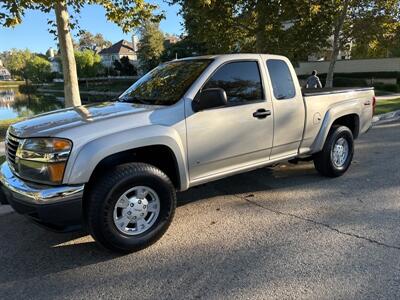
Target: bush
{"type": "Point", "coordinates": [88, 63]}
{"type": "Point", "coordinates": [27, 89]}
{"type": "Point", "coordinates": [124, 67]}
{"type": "Point", "coordinates": [394, 88]}
{"type": "Point", "coordinates": [349, 82]}
{"type": "Point", "coordinates": [38, 70]}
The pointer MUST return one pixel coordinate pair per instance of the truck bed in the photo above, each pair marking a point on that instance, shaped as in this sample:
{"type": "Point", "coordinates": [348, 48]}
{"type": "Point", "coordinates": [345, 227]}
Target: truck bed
{"type": "Point", "coordinates": [336, 90]}
{"type": "Point", "coordinates": [335, 101]}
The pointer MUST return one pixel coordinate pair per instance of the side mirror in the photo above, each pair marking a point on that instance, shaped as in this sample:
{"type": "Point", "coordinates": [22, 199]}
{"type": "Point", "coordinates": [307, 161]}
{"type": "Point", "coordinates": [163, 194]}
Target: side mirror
{"type": "Point", "coordinates": [210, 98]}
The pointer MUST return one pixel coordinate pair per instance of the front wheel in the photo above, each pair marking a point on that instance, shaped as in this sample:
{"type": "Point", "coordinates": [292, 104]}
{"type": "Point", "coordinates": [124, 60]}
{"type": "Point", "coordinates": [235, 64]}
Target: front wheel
{"type": "Point", "coordinates": [337, 154]}
{"type": "Point", "coordinates": [131, 207]}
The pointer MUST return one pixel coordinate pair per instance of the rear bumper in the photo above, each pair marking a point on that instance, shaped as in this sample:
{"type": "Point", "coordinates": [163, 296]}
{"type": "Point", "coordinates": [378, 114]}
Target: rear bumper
{"type": "Point", "coordinates": [58, 207]}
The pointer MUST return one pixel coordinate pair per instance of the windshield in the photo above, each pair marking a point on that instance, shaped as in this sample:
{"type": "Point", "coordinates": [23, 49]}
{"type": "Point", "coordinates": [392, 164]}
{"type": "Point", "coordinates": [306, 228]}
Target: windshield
{"type": "Point", "coordinates": [166, 84]}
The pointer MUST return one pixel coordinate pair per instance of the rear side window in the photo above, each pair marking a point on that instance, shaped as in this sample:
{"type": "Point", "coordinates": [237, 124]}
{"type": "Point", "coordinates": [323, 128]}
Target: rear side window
{"type": "Point", "coordinates": [282, 81]}
{"type": "Point", "coordinates": [240, 80]}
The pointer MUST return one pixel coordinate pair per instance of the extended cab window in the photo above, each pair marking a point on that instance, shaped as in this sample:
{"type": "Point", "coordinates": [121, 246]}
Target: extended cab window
{"type": "Point", "coordinates": [240, 80]}
{"type": "Point", "coordinates": [282, 81]}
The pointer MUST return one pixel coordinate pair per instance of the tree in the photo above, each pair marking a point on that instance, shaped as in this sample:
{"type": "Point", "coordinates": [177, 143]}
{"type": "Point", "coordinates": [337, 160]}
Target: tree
{"type": "Point", "coordinates": [151, 46]}
{"type": "Point", "coordinates": [16, 61]}
{"type": "Point", "coordinates": [211, 26]}
{"type": "Point", "coordinates": [375, 36]}
{"type": "Point", "coordinates": [28, 66]}
{"type": "Point", "coordinates": [89, 41]}
{"type": "Point", "coordinates": [295, 28]}
{"type": "Point", "coordinates": [346, 14]}
{"type": "Point", "coordinates": [184, 48]}
{"type": "Point", "coordinates": [38, 69]}
{"type": "Point", "coordinates": [292, 28]}
{"type": "Point", "coordinates": [340, 13]}
{"type": "Point", "coordinates": [88, 63]}
{"type": "Point", "coordinates": [126, 14]}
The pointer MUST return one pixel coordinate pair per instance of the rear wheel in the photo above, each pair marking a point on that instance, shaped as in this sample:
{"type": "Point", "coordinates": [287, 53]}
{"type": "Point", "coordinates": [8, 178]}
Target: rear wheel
{"type": "Point", "coordinates": [337, 154]}
{"type": "Point", "coordinates": [131, 207]}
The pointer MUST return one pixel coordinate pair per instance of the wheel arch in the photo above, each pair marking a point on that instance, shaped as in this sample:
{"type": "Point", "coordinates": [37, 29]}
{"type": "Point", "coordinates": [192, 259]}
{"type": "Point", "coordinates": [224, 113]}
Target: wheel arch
{"type": "Point", "coordinates": [158, 155]}
{"type": "Point", "coordinates": [345, 114]}
{"type": "Point", "coordinates": [149, 145]}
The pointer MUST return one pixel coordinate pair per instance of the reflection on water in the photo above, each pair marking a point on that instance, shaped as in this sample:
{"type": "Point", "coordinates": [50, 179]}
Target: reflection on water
{"type": "Point", "coordinates": [14, 104]}
{"type": "Point", "coordinates": [6, 97]}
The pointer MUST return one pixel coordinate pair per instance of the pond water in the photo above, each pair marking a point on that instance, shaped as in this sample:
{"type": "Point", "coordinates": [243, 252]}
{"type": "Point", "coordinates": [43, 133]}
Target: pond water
{"type": "Point", "coordinates": [14, 104]}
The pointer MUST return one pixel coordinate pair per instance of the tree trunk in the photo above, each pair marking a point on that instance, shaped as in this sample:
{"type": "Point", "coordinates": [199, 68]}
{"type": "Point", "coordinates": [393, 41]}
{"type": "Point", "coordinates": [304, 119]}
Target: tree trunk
{"type": "Point", "coordinates": [331, 70]}
{"type": "Point", "coordinates": [71, 87]}
{"type": "Point", "coordinates": [336, 43]}
{"type": "Point", "coordinates": [261, 22]}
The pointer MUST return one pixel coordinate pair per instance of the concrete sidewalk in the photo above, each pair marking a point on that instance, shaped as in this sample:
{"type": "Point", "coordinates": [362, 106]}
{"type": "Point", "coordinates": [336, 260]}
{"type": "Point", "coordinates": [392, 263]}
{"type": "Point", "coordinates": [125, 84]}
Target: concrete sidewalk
{"type": "Point", "coordinates": [388, 117]}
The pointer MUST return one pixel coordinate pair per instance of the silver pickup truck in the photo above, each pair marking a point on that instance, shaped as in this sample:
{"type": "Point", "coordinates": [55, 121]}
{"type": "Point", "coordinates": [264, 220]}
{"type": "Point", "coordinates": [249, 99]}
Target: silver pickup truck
{"type": "Point", "coordinates": [116, 166]}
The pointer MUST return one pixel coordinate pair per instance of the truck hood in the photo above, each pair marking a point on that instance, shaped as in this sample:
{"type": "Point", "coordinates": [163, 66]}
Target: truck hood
{"type": "Point", "coordinates": [51, 123]}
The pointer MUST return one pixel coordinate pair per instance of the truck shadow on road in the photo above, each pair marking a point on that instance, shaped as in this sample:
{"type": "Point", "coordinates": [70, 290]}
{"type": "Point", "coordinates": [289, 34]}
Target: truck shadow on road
{"type": "Point", "coordinates": [262, 180]}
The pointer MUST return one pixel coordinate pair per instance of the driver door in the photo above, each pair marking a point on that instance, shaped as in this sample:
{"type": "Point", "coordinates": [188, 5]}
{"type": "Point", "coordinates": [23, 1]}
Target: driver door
{"type": "Point", "coordinates": [222, 140]}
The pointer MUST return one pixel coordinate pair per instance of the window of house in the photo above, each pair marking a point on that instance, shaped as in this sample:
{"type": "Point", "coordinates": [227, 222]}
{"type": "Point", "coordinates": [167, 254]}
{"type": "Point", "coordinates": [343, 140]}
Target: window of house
{"type": "Point", "coordinates": [240, 80]}
{"type": "Point", "coordinates": [281, 78]}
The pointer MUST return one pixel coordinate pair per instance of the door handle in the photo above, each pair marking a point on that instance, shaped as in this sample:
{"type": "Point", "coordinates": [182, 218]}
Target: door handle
{"type": "Point", "coordinates": [261, 113]}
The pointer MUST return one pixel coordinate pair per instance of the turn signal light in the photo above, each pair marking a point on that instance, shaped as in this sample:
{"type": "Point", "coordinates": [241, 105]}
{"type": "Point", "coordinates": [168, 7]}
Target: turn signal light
{"type": "Point", "coordinates": [373, 105]}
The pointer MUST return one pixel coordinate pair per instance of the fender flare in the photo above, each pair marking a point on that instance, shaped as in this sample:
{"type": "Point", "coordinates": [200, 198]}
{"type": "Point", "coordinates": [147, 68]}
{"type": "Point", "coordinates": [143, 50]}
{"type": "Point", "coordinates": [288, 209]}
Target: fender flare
{"type": "Point", "coordinates": [85, 159]}
{"type": "Point", "coordinates": [342, 109]}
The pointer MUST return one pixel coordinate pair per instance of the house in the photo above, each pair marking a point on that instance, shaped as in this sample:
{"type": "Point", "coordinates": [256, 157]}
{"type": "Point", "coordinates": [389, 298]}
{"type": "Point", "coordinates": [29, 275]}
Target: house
{"type": "Point", "coordinates": [55, 61]}
{"type": "Point", "coordinates": [4, 73]}
{"type": "Point", "coordinates": [119, 50]}
{"type": "Point", "coordinates": [171, 40]}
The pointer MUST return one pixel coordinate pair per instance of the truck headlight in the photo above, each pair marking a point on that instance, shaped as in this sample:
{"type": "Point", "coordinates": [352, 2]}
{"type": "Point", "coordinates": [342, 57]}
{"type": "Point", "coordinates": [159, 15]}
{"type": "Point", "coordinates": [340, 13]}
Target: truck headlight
{"type": "Point", "coordinates": [43, 159]}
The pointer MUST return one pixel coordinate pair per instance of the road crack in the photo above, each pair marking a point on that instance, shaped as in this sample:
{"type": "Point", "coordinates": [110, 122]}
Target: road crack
{"type": "Point", "coordinates": [318, 223]}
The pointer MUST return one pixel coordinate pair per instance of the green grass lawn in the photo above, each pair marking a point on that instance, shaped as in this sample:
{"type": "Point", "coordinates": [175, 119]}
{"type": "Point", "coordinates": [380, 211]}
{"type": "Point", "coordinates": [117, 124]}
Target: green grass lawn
{"type": "Point", "coordinates": [385, 106]}
{"type": "Point", "coordinates": [4, 126]}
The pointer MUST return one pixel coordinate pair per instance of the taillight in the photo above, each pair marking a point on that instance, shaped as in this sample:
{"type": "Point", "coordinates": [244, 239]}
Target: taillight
{"type": "Point", "coordinates": [373, 105]}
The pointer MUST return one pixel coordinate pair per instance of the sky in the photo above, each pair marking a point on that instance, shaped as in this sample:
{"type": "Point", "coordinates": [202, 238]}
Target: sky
{"type": "Point", "coordinates": [33, 32]}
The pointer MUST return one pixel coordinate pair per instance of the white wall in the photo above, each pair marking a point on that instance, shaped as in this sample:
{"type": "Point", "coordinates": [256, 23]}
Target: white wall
{"type": "Point", "coordinates": [351, 66]}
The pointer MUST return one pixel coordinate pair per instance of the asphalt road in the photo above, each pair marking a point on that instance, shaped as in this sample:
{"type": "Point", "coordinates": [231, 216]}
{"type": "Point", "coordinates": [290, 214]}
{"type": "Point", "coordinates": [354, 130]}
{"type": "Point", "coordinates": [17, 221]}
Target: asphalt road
{"type": "Point", "coordinates": [282, 232]}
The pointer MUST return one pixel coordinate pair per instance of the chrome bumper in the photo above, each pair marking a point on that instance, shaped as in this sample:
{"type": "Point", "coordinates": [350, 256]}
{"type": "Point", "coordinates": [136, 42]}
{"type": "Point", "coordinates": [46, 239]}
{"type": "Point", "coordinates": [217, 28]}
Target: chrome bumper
{"type": "Point", "coordinates": [35, 193]}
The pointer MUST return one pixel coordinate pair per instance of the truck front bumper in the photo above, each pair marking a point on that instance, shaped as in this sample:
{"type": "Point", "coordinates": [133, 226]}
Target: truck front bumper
{"type": "Point", "coordinates": [57, 207]}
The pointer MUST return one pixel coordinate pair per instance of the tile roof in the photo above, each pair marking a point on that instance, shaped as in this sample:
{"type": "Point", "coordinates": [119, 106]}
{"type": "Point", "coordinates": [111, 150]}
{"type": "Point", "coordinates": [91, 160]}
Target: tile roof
{"type": "Point", "coordinates": [122, 48]}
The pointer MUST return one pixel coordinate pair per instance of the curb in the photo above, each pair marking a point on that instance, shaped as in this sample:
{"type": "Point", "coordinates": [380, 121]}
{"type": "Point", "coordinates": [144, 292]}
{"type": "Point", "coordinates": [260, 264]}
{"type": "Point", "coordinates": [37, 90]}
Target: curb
{"type": "Point", "coordinates": [385, 118]}
{"type": "Point", "coordinates": [5, 210]}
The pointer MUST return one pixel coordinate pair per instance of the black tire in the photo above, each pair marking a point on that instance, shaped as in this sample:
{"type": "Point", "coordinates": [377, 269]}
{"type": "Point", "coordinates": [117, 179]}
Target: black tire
{"type": "Point", "coordinates": [323, 161]}
{"type": "Point", "coordinates": [106, 192]}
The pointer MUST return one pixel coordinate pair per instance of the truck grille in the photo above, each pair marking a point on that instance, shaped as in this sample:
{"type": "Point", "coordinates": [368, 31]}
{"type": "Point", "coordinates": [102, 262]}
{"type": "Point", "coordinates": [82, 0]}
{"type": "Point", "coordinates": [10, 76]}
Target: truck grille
{"type": "Point", "coordinates": [12, 144]}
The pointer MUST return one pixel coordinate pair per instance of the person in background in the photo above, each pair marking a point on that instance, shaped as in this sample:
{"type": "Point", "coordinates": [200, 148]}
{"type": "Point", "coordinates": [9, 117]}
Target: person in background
{"type": "Point", "coordinates": [313, 81]}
